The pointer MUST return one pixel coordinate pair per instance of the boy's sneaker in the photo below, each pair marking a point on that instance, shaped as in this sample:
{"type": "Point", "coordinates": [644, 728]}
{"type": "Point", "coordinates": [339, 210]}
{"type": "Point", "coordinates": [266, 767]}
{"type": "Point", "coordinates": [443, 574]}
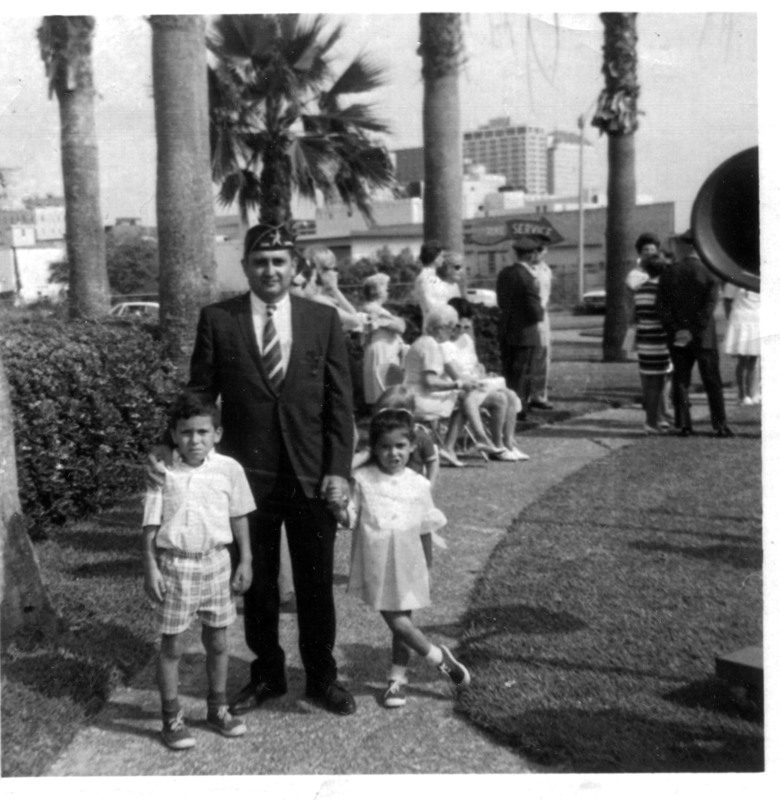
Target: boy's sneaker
{"type": "Point", "coordinates": [395, 694]}
{"type": "Point", "coordinates": [175, 733]}
{"type": "Point", "coordinates": [451, 667]}
{"type": "Point", "coordinates": [220, 719]}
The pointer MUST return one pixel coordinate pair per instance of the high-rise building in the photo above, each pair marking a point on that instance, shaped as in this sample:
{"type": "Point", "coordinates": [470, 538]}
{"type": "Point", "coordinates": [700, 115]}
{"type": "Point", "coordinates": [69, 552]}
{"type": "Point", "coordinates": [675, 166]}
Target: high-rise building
{"type": "Point", "coordinates": [518, 152]}
{"type": "Point", "coordinates": [563, 165]}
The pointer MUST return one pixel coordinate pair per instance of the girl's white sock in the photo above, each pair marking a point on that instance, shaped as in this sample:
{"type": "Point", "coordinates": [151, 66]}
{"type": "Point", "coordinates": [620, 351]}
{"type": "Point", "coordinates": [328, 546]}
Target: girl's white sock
{"type": "Point", "coordinates": [397, 673]}
{"type": "Point", "coordinates": [434, 656]}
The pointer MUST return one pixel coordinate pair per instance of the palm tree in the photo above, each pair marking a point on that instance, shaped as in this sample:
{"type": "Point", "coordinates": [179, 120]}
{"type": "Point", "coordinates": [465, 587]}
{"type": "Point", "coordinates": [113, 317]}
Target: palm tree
{"type": "Point", "coordinates": [279, 121]}
{"type": "Point", "coordinates": [185, 207]}
{"type": "Point", "coordinates": [66, 50]}
{"type": "Point", "coordinates": [441, 48]}
{"type": "Point", "coordinates": [617, 116]}
{"type": "Point", "coordinates": [25, 603]}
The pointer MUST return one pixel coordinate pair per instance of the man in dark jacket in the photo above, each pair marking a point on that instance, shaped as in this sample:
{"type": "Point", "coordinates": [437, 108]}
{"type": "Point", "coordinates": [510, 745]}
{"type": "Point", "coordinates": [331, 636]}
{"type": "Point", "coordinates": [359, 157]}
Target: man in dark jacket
{"type": "Point", "coordinates": [279, 363]}
{"type": "Point", "coordinates": [519, 300]}
{"type": "Point", "coordinates": [687, 297]}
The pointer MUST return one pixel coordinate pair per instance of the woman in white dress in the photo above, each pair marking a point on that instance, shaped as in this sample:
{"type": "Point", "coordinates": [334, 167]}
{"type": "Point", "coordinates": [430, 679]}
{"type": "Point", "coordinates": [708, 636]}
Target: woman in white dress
{"type": "Point", "coordinates": [384, 349]}
{"type": "Point", "coordinates": [743, 340]}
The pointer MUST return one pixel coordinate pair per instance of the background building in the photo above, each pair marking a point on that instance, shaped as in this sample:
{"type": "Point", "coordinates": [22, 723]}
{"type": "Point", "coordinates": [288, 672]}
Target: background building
{"type": "Point", "coordinates": [519, 152]}
{"type": "Point", "coordinates": [563, 165]}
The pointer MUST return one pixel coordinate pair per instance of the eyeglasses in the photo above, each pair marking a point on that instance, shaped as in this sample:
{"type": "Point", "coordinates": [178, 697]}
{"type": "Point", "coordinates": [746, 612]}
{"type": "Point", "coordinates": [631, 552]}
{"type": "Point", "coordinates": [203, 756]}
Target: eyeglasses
{"type": "Point", "coordinates": [329, 269]}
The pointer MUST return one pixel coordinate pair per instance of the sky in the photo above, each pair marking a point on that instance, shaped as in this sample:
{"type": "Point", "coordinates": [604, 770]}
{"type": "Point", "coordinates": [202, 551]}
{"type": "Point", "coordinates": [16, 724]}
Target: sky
{"type": "Point", "coordinates": [698, 75]}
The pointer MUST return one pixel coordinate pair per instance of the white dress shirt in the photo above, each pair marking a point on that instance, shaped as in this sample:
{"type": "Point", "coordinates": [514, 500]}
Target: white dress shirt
{"type": "Point", "coordinates": [282, 323]}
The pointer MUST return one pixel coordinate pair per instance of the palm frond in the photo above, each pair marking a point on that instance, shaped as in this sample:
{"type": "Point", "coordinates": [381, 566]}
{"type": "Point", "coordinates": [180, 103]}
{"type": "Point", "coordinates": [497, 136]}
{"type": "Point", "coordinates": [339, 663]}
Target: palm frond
{"type": "Point", "coordinates": [360, 76]}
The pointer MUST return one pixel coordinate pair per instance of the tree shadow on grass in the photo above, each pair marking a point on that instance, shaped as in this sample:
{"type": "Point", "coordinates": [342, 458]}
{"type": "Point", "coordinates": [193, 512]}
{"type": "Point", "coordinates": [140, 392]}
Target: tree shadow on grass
{"type": "Point", "coordinates": [117, 568]}
{"type": "Point", "coordinates": [716, 695]}
{"type": "Point", "coordinates": [519, 619]}
{"type": "Point", "coordinates": [746, 557]}
{"type": "Point", "coordinates": [86, 666]}
{"type": "Point", "coordinates": [101, 541]}
{"type": "Point", "coordinates": [615, 741]}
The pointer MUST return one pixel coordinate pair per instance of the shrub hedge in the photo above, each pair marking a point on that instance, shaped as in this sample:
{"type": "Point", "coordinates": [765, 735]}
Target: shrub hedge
{"type": "Point", "coordinates": [88, 400]}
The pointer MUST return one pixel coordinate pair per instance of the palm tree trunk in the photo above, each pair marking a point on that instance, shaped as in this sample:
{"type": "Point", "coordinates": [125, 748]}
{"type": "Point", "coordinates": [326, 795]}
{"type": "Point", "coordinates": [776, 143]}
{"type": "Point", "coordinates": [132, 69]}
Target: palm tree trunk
{"type": "Point", "coordinates": [441, 45]}
{"type": "Point", "coordinates": [25, 604]}
{"type": "Point", "coordinates": [617, 116]}
{"type": "Point", "coordinates": [185, 209]}
{"type": "Point", "coordinates": [621, 200]}
{"type": "Point", "coordinates": [69, 65]}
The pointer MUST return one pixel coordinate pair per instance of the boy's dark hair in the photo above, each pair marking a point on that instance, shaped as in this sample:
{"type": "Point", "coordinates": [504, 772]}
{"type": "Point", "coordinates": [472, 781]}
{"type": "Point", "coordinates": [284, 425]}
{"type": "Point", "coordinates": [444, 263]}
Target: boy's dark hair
{"type": "Point", "coordinates": [390, 419]}
{"type": "Point", "coordinates": [193, 404]}
{"type": "Point", "coordinates": [462, 306]}
{"type": "Point", "coordinates": [429, 252]}
{"type": "Point", "coordinates": [646, 238]}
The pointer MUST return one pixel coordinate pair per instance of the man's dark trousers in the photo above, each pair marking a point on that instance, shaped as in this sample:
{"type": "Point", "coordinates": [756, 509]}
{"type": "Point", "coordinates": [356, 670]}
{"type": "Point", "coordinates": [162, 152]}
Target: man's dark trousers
{"type": "Point", "coordinates": [683, 359]}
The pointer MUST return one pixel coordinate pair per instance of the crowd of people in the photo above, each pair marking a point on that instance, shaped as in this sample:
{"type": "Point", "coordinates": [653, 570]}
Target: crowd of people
{"type": "Point", "coordinates": [270, 385]}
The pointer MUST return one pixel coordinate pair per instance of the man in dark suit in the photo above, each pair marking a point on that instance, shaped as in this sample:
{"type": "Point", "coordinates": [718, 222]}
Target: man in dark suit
{"type": "Point", "coordinates": [687, 297]}
{"type": "Point", "coordinates": [287, 418]}
{"type": "Point", "coordinates": [519, 300]}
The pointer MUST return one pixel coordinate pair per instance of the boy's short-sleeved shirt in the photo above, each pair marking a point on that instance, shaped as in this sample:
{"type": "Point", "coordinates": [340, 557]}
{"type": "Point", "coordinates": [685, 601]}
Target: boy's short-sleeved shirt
{"type": "Point", "coordinates": [194, 505]}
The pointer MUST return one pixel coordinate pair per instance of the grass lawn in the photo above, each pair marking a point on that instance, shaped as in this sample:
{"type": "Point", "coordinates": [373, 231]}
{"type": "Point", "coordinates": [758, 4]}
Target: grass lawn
{"type": "Point", "coordinates": [94, 577]}
{"type": "Point", "coordinates": [592, 633]}
{"type": "Point", "coordinates": [593, 630]}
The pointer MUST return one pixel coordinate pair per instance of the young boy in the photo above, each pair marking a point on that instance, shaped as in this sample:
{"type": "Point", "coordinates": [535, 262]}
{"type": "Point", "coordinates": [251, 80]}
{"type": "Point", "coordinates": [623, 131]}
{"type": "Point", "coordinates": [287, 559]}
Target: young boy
{"type": "Point", "coordinates": [188, 522]}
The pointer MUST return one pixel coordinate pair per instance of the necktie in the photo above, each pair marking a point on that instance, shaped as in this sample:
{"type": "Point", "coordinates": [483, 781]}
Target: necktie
{"type": "Point", "coordinates": [272, 351]}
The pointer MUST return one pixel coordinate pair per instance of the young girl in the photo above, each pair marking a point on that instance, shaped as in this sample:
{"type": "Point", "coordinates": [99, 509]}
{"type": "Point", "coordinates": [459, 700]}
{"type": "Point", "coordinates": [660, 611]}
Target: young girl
{"type": "Point", "coordinates": [392, 506]}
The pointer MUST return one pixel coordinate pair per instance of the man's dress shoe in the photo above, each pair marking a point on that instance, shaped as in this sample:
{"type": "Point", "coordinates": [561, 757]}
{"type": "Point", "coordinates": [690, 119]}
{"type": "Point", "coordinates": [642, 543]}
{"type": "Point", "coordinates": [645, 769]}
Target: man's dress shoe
{"type": "Point", "coordinates": [334, 698]}
{"type": "Point", "coordinates": [253, 695]}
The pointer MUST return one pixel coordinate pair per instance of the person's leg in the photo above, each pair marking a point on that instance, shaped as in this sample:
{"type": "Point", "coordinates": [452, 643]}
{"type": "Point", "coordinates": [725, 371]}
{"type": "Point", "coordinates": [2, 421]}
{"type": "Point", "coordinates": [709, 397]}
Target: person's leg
{"type": "Point", "coordinates": [683, 360]}
{"type": "Point", "coordinates": [261, 601]}
{"type": "Point", "coordinates": [311, 534]}
{"type": "Point", "coordinates": [740, 375]}
{"type": "Point", "coordinates": [524, 359]}
{"type": "Point", "coordinates": [497, 406]}
{"type": "Point", "coordinates": [709, 369]}
{"type": "Point", "coordinates": [752, 382]}
{"type": "Point", "coordinates": [215, 643]}
{"type": "Point", "coordinates": [168, 667]}
{"type": "Point", "coordinates": [472, 401]}
{"type": "Point", "coordinates": [510, 421]}
{"type": "Point", "coordinates": [447, 450]}
{"type": "Point", "coordinates": [654, 385]}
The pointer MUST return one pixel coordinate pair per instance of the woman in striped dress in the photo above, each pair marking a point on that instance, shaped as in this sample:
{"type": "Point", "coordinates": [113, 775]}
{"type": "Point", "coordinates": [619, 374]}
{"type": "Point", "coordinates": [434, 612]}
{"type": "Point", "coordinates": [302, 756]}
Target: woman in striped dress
{"type": "Point", "coordinates": [651, 343]}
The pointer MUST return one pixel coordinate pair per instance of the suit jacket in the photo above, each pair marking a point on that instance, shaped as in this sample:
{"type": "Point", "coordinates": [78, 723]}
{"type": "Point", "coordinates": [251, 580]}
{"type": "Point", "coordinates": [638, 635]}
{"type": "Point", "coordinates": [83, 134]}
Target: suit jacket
{"type": "Point", "coordinates": [687, 297]}
{"type": "Point", "coordinates": [519, 300]}
{"type": "Point", "coordinates": [311, 419]}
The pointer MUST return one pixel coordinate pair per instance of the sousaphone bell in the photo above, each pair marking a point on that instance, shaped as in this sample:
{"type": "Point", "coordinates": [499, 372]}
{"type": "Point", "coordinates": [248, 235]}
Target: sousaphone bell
{"type": "Point", "coordinates": [725, 221]}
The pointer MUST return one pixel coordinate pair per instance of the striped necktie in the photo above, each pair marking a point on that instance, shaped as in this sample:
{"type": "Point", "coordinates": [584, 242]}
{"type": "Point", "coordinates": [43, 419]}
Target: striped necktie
{"type": "Point", "coordinates": [272, 351]}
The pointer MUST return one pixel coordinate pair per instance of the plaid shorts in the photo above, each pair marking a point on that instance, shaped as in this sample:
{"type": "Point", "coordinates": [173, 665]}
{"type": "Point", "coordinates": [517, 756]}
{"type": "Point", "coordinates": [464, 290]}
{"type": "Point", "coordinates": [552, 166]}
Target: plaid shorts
{"type": "Point", "coordinates": [195, 586]}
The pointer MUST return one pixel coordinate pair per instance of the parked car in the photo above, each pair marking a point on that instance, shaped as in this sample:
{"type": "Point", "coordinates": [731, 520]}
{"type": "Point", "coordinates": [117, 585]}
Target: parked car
{"type": "Point", "coordinates": [131, 310]}
{"type": "Point", "coordinates": [594, 302]}
{"type": "Point", "coordinates": [482, 297]}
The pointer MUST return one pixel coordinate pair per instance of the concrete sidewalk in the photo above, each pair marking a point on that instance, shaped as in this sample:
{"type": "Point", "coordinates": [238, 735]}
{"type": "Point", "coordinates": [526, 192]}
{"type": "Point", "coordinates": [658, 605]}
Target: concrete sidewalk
{"type": "Point", "coordinates": [290, 736]}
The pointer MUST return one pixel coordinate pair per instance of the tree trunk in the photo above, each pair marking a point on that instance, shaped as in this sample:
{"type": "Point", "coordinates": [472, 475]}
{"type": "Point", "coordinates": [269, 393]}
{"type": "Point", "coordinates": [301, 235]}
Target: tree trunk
{"type": "Point", "coordinates": [185, 207]}
{"type": "Point", "coordinates": [25, 604]}
{"type": "Point", "coordinates": [617, 115]}
{"type": "Point", "coordinates": [441, 46]}
{"type": "Point", "coordinates": [89, 294]}
{"type": "Point", "coordinates": [621, 199]}
{"type": "Point", "coordinates": [275, 187]}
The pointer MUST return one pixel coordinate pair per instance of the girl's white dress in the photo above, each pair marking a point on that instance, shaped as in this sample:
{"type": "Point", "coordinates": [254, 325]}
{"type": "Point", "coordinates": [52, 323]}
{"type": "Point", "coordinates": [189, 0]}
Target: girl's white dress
{"type": "Point", "coordinates": [388, 569]}
{"type": "Point", "coordinates": [743, 335]}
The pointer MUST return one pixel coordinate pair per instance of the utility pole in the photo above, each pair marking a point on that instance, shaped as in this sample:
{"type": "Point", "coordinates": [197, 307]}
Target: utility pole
{"type": "Point", "coordinates": [581, 233]}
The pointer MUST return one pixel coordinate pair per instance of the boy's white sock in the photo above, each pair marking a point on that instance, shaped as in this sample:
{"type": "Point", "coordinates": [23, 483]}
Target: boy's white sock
{"type": "Point", "coordinates": [397, 673]}
{"type": "Point", "coordinates": [434, 656]}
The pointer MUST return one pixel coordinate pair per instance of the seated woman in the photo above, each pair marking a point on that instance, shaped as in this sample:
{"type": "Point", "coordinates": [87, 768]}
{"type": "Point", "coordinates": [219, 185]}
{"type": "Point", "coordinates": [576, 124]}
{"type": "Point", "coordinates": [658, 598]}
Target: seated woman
{"type": "Point", "coordinates": [501, 403]}
{"type": "Point", "coordinates": [437, 390]}
{"type": "Point", "coordinates": [323, 286]}
{"type": "Point", "coordinates": [384, 349]}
